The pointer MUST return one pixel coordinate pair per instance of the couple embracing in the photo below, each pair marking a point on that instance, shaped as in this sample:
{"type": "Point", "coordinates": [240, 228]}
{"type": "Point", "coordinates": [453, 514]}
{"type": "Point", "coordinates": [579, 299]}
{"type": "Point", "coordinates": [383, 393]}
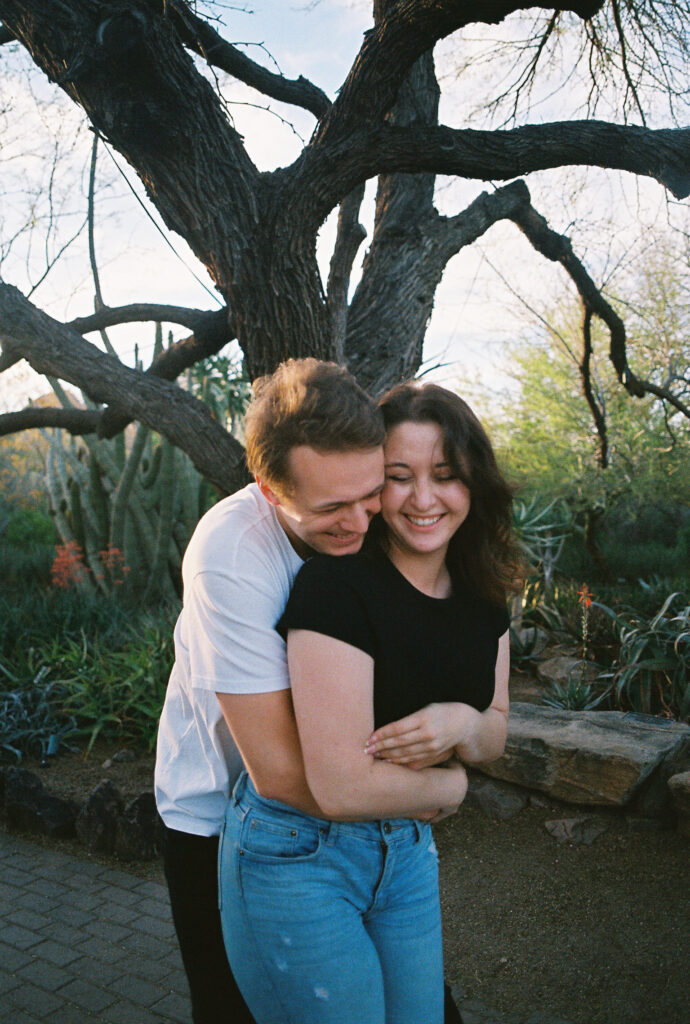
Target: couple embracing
{"type": "Point", "coordinates": [341, 654]}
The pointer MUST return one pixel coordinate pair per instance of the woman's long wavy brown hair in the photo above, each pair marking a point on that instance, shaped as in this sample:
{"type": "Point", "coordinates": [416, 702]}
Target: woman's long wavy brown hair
{"type": "Point", "coordinates": [483, 552]}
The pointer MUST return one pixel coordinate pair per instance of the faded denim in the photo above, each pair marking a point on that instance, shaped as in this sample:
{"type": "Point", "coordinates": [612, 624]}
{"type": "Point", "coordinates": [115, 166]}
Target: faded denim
{"type": "Point", "coordinates": [330, 922]}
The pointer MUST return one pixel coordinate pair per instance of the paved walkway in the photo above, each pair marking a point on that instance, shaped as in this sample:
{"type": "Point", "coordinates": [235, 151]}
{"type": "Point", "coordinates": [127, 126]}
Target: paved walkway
{"type": "Point", "coordinates": [81, 943]}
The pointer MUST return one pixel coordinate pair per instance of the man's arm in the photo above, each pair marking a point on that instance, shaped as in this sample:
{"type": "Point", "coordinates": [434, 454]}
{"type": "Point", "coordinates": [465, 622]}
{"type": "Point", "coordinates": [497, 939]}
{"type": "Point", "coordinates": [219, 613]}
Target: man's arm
{"type": "Point", "coordinates": [264, 729]}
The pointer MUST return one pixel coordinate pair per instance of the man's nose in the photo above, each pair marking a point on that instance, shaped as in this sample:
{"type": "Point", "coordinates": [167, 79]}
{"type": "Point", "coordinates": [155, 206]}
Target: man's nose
{"type": "Point", "coordinates": [359, 515]}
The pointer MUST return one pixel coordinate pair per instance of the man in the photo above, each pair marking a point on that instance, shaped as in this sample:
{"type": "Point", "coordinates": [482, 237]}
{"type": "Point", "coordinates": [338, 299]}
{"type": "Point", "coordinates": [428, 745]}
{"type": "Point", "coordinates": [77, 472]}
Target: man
{"type": "Point", "coordinates": [314, 445]}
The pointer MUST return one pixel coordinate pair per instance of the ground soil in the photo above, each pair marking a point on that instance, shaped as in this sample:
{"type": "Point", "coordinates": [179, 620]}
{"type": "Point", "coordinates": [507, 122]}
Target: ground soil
{"type": "Point", "coordinates": [588, 934]}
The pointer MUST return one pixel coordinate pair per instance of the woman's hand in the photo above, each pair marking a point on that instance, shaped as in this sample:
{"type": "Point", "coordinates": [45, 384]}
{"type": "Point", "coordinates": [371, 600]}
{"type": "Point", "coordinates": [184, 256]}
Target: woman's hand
{"type": "Point", "coordinates": [425, 738]}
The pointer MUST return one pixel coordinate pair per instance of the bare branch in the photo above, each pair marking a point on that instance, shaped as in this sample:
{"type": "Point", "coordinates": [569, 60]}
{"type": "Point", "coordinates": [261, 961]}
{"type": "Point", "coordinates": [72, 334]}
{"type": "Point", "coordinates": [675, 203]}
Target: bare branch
{"type": "Point", "coordinates": [558, 248]}
{"type": "Point", "coordinates": [350, 236]}
{"type": "Point", "coordinates": [406, 30]}
{"type": "Point", "coordinates": [201, 37]}
{"type": "Point", "coordinates": [53, 348]}
{"type": "Point", "coordinates": [663, 154]}
{"type": "Point", "coordinates": [76, 421]}
{"type": "Point", "coordinates": [624, 59]}
{"type": "Point", "coordinates": [144, 312]}
{"type": "Point", "coordinates": [585, 368]}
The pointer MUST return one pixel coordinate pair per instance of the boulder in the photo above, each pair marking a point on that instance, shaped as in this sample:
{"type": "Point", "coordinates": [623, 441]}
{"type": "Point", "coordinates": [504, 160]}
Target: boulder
{"type": "Point", "coordinates": [139, 829]}
{"type": "Point", "coordinates": [495, 799]}
{"type": "Point", "coordinates": [576, 830]}
{"type": "Point", "coordinates": [605, 758]}
{"type": "Point", "coordinates": [29, 806]}
{"type": "Point", "coordinates": [679, 787]}
{"type": "Point", "coordinates": [96, 823]}
{"type": "Point", "coordinates": [563, 668]}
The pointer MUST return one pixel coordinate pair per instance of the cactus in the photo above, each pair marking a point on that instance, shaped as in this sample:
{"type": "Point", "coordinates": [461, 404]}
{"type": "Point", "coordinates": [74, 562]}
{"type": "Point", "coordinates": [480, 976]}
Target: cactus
{"type": "Point", "coordinates": [138, 501]}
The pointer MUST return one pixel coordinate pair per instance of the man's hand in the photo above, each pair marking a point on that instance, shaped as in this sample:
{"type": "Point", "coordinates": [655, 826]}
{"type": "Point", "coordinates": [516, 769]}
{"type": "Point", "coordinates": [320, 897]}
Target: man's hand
{"type": "Point", "coordinates": [423, 739]}
{"type": "Point", "coordinates": [431, 817]}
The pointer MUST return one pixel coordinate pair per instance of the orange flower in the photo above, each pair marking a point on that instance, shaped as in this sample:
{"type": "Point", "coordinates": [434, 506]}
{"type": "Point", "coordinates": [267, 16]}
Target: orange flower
{"type": "Point", "coordinates": [586, 595]}
{"type": "Point", "coordinates": [68, 568]}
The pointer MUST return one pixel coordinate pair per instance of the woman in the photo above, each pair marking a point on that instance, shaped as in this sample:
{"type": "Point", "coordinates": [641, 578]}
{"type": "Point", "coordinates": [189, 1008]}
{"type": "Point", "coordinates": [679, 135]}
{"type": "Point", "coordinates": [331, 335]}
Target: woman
{"type": "Point", "coordinates": [399, 663]}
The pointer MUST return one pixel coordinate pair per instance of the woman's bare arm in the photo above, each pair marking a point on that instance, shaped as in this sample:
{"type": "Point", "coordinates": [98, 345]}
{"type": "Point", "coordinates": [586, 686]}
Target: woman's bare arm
{"type": "Point", "coordinates": [332, 690]}
{"type": "Point", "coordinates": [442, 729]}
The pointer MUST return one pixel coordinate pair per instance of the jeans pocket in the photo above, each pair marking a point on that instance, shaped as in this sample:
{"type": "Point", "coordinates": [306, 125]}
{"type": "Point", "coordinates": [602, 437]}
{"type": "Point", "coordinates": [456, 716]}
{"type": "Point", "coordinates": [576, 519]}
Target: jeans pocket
{"type": "Point", "coordinates": [273, 841]}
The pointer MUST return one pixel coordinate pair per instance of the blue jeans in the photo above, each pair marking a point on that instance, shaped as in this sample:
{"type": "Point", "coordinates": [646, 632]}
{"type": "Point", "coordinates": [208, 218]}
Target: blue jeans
{"type": "Point", "coordinates": [330, 922]}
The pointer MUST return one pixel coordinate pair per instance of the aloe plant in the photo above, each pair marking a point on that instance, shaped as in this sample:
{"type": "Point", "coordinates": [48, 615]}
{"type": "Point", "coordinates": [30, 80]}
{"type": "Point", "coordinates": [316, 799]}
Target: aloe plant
{"type": "Point", "coordinates": [651, 674]}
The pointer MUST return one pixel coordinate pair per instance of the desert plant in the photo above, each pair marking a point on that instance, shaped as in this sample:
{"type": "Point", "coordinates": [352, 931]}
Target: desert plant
{"type": "Point", "coordinates": [651, 674]}
{"type": "Point", "coordinates": [32, 720]}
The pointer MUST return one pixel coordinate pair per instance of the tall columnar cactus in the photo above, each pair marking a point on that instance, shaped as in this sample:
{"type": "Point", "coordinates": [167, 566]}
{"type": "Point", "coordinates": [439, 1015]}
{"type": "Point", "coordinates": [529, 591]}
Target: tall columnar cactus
{"type": "Point", "coordinates": [131, 506]}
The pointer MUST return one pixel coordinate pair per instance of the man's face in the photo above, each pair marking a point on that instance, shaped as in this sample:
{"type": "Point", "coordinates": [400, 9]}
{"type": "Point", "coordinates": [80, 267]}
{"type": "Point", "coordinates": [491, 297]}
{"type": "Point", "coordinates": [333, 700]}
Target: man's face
{"type": "Point", "coordinates": [333, 498]}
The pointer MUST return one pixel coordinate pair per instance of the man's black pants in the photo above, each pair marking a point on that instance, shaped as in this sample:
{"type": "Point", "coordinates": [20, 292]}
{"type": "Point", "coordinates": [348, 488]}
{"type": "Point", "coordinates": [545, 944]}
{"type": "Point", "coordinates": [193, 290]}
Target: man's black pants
{"type": "Point", "coordinates": [191, 871]}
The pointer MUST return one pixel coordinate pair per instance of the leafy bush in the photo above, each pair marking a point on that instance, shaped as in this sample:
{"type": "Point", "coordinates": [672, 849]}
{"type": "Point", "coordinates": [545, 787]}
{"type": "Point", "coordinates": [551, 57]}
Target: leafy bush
{"type": "Point", "coordinates": [25, 566]}
{"type": "Point", "coordinates": [29, 526]}
{"type": "Point", "coordinates": [32, 720]}
{"type": "Point", "coordinates": [70, 687]}
{"type": "Point", "coordinates": [651, 674]}
{"type": "Point", "coordinates": [34, 617]}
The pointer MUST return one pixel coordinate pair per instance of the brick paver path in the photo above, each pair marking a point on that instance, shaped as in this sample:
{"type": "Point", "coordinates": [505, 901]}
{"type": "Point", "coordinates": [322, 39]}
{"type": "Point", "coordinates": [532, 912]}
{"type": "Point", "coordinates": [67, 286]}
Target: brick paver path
{"type": "Point", "coordinates": [81, 943]}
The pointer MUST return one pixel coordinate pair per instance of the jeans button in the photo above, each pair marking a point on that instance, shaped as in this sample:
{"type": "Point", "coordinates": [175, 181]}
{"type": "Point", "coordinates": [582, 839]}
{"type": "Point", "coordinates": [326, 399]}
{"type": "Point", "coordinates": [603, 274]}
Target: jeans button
{"type": "Point", "coordinates": [387, 827]}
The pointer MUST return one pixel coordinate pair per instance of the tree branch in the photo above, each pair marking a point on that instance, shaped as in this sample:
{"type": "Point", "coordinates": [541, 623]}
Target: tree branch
{"type": "Point", "coordinates": [76, 421]}
{"type": "Point", "coordinates": [142, 312]}
{"type": "Point", "coordinates": [558, 249]}
{"type": "Point", "coordinates": [404, 31]}
{"type": "Point", "coordinates": [350, 236]}
{"type": "Point", "coordinates": [6, 35]}
{"type": "Point", "coordinates": [201, 37]}
{"type": "Point", "coordinates": [53, 348]}
{"type": "Point", "coordinates": [585, 368]}
{"type": "Point", "coordinates": [663, 154]}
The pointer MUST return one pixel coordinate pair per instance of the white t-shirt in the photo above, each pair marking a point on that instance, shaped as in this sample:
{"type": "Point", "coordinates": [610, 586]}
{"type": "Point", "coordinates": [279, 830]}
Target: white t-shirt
{"type": "Point", "coordinates": [237, 574]}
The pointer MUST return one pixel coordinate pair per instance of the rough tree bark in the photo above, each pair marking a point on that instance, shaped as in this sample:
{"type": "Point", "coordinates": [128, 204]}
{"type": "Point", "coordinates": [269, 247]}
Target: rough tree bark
{"type": "Point", "coordinates": [128, 65]}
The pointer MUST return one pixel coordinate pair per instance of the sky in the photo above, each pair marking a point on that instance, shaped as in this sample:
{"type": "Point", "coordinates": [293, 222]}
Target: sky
{"type": "Point", "coordinates": [476, 310]}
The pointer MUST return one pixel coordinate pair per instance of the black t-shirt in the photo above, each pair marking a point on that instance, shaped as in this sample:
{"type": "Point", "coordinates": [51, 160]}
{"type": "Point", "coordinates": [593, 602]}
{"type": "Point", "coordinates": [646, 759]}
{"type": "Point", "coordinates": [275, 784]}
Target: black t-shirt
{"type": "Point", "coordinates": [425, 649]}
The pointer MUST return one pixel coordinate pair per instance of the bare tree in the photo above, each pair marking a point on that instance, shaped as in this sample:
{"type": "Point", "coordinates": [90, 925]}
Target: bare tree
{"type": "Point", "coordinates": [130, 65]}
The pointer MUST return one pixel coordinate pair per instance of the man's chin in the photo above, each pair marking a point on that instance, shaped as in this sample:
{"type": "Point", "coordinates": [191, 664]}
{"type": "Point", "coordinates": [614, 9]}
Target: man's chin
{"type": "Point", "coordinates": [342, 546]}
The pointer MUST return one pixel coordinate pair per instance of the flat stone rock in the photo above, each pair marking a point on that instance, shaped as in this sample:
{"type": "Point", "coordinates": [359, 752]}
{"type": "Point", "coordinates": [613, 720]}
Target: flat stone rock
{"type": "Point", "coordinates": [576, 830]}
{"type": "Point", "coordinates": [495, 799]}
{"type": "Point", "coordinates": [563, 669]}
{"type": "Point", "coordinates": [30, 806]}
{"type": "Point", "coordinates": [603, 758]}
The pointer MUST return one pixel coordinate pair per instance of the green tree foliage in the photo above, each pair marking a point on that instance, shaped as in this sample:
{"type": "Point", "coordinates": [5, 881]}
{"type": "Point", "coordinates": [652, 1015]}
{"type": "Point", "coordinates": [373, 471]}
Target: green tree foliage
{"type": "Point", "coordinates": [548, 440]}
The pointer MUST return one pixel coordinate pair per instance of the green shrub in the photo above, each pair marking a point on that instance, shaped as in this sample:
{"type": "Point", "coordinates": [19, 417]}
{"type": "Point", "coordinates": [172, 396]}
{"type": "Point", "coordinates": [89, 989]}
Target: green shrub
{"type": "Point", "coordinates": [29, 526]}
{"type": "Point", "coordinates": [25, 566]}
{"type": "Point", "coordinates": [88, 686]}
{"type": "Point", "coordinates": [651, 674]}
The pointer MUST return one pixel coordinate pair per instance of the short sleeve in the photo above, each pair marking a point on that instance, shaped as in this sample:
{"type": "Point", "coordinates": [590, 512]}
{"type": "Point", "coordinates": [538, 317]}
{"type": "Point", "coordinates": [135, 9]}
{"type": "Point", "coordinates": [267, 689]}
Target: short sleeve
{"type": "Point", "coordinates": [230, 634]}
{"type": "Point", "coordinates": [501, 620]}
{"type": "Point", "coordinates": [325, 601]}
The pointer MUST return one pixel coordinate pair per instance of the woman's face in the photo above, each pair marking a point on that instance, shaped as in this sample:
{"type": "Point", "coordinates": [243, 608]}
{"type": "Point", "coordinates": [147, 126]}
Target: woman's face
{"type": "Point", "coordinates": [422, 503]}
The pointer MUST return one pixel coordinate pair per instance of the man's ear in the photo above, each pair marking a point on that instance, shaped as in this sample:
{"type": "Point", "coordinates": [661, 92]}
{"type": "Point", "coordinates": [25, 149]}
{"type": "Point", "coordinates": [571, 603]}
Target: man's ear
{"type": "Point", "coordinates": [268, 493]}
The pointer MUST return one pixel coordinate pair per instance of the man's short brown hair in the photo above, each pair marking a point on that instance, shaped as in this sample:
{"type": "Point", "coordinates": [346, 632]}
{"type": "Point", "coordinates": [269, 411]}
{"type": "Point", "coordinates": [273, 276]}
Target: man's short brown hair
{"type": "Point", "coordinates": [306, 402]}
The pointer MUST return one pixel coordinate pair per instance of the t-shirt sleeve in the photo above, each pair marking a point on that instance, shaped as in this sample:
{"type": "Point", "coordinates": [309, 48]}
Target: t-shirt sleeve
{"type": "Point", "coordinates": [501, 620]}
{"type": "Point", "coordinates": [325, 601]}
{"type": "Point", "coordinates": [230, 636]}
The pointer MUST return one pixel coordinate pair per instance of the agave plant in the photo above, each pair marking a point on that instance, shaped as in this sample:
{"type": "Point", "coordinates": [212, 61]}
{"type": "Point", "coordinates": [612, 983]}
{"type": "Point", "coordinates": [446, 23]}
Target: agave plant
{"type": "Point", "coordinates": [651, 674]}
